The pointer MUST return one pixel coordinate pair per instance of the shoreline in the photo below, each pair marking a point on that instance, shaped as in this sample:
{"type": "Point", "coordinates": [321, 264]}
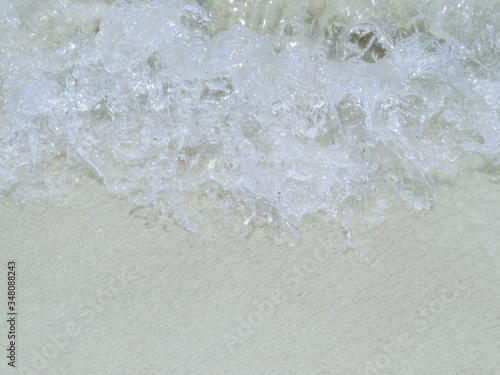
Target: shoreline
{"type": "Point", "coordinates": [104, 286]}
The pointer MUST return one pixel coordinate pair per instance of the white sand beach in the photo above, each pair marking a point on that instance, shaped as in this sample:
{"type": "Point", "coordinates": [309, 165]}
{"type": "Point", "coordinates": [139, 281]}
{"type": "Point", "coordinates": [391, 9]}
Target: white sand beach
{"type": "Point", "coordinates": [104, 287]}
{"type": "Point", "coordinates": [200, 187]}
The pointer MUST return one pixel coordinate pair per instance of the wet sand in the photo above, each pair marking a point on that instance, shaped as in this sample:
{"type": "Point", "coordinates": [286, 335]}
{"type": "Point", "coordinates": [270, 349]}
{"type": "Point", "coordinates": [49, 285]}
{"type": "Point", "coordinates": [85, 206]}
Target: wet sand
{"type": "Point", "coordinates": [107, 287]}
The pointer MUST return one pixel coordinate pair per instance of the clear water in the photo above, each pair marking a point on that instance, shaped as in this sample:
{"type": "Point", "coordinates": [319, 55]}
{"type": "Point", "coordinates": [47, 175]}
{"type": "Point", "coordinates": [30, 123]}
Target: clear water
{"type": "Point", "coordinates": [279, 108]}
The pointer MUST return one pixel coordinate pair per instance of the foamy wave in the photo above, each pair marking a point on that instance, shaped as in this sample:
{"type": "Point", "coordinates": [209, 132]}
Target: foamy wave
{"type": "Point", "coordinates": [325, 109]}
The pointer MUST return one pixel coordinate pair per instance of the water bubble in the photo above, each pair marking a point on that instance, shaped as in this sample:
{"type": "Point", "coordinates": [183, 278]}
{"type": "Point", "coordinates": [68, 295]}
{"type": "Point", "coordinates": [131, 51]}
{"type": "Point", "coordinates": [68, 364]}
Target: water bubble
{"type": "Point", "coordinates": [364, 41]}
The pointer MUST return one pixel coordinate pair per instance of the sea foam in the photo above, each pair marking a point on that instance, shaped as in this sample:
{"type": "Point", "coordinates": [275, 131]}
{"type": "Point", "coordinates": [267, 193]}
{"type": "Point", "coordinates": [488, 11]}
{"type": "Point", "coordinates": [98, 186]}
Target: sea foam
{"type": "Point", "coordinates": [283, 108]}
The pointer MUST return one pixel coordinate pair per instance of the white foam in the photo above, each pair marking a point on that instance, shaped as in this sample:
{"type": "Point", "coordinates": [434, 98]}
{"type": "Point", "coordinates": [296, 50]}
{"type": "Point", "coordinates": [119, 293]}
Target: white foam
{"type": "Point", "coordinates": [327, 109]}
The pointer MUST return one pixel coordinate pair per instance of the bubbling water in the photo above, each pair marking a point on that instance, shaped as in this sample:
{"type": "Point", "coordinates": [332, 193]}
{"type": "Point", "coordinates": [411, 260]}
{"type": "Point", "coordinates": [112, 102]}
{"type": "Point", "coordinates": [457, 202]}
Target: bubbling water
{"type": "Point", "coordinates": [284, 108]}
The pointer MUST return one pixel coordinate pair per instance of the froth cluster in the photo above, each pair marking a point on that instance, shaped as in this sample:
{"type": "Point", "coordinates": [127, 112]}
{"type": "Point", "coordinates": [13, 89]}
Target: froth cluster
{"type": "Point", "coordinates": [329, 110]}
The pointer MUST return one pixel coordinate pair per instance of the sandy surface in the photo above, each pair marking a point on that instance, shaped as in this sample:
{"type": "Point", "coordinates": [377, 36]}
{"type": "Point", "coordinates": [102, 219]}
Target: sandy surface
{"type": "Point", "coordinates": [105, 287]}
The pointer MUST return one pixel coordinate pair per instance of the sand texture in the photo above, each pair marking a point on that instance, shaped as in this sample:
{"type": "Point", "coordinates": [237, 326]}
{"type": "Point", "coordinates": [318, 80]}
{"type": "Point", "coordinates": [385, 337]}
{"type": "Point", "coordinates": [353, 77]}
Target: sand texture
{"type": "Point", "coordinates": [107, 287]}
